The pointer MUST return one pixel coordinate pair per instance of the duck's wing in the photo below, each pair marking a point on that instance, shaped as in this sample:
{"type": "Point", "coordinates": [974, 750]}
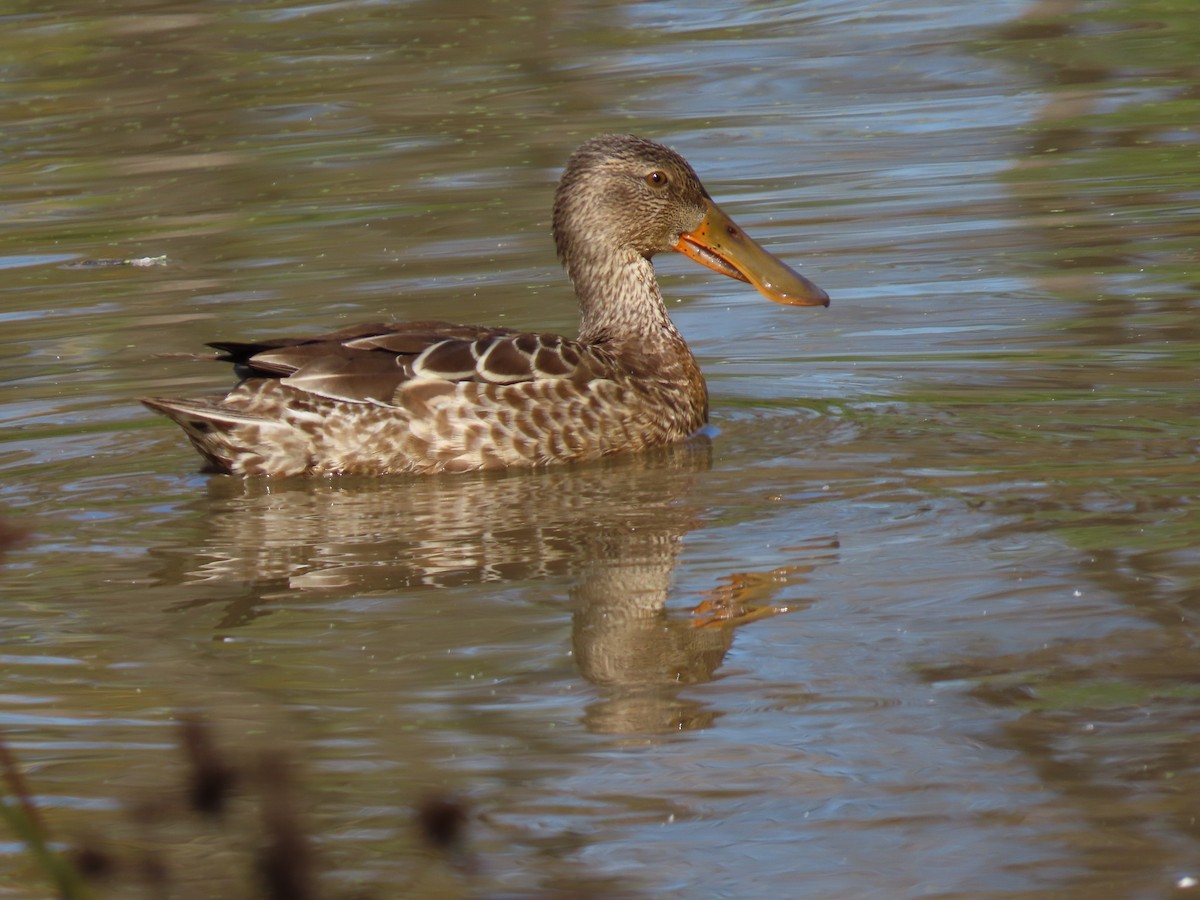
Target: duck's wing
{"type": "Point", "coordinates": [370, 363]}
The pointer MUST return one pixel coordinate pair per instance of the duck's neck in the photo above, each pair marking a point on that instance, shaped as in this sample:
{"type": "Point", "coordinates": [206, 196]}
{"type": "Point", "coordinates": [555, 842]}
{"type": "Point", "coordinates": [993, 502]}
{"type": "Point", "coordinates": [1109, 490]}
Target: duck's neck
{"type": "Point", "coordinates": [619, 302]}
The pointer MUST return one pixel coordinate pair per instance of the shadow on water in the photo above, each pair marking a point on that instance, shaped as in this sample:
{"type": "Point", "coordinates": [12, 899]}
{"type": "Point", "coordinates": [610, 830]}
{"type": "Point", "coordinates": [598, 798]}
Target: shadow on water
{"type": "Point", "coordinates": [611, 532]}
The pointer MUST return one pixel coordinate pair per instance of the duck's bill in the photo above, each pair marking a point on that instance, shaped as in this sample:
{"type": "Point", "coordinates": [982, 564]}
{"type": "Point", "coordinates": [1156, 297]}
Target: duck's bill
{"type": "Point", "coordinates": [722, 246]}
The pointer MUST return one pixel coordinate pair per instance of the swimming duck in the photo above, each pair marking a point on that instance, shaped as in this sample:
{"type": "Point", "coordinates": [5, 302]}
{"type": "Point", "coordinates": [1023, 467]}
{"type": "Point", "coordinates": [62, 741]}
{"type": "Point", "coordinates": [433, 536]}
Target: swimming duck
{"type": "Point", "coordinates": [427, 397]}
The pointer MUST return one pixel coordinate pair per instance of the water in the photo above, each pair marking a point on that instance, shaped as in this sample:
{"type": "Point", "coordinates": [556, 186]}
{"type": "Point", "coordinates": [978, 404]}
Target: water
{"type": "Point", "coordinates": [920, 620]}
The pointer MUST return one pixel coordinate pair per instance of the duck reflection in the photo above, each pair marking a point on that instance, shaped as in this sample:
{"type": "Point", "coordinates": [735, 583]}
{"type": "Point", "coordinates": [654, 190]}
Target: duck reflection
{"type": "Point", "coordinates": [646, 654]}
{"type": "Point", "coordinates": [614, 530]}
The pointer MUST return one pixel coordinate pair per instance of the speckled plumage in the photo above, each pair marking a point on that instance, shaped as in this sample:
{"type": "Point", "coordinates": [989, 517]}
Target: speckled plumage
{"type": "Point", "coordinates": [430, 397]}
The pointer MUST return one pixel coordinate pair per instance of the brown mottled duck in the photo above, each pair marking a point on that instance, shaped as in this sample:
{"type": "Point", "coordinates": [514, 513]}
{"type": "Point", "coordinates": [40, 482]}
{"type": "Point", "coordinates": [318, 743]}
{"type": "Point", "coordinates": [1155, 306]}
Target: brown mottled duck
{"type": "Point", "coordinates": [426, 397]}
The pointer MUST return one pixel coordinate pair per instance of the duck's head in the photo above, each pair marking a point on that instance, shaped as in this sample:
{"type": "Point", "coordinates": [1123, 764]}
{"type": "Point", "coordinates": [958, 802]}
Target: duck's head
{"type": "Point", "coordinates": [622, 193]}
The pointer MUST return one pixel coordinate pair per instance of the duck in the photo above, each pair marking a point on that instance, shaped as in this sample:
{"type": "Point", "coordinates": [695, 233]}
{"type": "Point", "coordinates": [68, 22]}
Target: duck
{"type": "Point", "coordinates": [432, 397]}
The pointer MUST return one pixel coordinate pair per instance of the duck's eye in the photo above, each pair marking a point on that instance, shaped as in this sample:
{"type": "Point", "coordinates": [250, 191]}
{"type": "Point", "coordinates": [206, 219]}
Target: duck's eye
{"type": "Point", "coordinates": [657, 179]}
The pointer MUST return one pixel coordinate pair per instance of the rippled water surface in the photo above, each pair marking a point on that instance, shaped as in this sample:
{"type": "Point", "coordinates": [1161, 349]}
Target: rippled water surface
{"type": "Point", "coordinates": [920, 620]}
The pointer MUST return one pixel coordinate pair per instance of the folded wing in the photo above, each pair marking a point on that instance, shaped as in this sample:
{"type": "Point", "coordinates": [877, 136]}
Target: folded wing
{"type": "Point", "coordinates": [371, 363]}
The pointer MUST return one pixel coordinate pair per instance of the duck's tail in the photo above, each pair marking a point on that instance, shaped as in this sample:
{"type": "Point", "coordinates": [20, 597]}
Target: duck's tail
{"type": "Point", "coordinates": [230, 440]}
